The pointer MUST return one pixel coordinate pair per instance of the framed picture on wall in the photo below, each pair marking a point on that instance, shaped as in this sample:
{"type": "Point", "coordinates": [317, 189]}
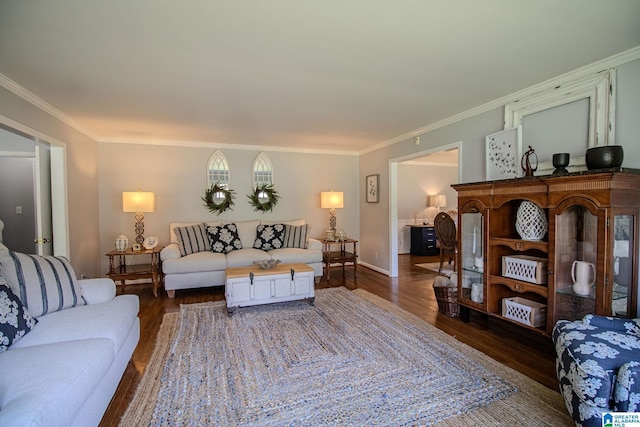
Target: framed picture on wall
{"type": "Point", "coordinates": [504, 150]}
{"type": "Point", "coordinates": [372, 184]}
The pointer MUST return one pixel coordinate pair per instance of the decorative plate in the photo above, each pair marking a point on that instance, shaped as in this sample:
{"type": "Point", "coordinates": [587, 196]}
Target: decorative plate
{"type": "Point", "coordinates": [150, 242]}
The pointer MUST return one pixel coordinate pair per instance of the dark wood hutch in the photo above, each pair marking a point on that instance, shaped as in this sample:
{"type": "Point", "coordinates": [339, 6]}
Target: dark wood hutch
{"type": "Point", "coordinates": [592, 218]}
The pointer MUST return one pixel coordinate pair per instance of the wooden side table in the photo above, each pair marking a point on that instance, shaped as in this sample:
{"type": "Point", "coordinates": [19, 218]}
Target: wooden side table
{"type": "Point", "coordinates": [119, 271]}
{"type": "Point", "coordinates": [339, 256]}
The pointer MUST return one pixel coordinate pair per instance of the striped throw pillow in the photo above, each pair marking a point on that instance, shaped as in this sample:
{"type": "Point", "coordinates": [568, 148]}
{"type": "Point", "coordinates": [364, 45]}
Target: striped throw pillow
{"type": "Point", "coordinates": [193, 239]}
{"type": "Point", "coordinates": [295, 236]}
{"type": "Point", "coordinates": [44, 284]}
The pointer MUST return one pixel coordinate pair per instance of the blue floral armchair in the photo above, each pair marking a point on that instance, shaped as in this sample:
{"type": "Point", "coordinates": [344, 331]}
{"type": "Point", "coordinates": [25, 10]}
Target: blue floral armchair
{"type": "Point", "coordinates": [598, 366]}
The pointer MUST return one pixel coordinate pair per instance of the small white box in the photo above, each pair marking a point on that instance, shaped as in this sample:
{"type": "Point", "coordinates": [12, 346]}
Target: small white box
{"type": "Point", "coordinates": [524, 267]}
{"type": "Point", "coordinates": [525, 311]}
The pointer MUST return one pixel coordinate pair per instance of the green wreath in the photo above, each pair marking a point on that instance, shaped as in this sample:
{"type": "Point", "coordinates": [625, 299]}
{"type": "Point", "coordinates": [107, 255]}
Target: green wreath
{"type": "Point", "coordinates": [209, 196]}
{"type": "Point", "coordinates": [272, 198]}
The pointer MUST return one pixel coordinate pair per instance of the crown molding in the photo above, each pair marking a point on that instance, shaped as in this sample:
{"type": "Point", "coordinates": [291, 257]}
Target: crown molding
{"type": "Point", "coordinates": [594, 68]}
{"type": "Point", "coordinates": [429, 163]}
{"type": "Point", "coordinates": [610, 62]}
{"type": "Point", "coordinates": [28, 132]}
{"type": "Point", "coordinates": [38, 102]}
{"type": "Point", "coordinates": [219, 145]}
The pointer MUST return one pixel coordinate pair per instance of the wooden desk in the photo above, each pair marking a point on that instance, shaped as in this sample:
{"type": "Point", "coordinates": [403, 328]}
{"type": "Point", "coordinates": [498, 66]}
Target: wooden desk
{"type": "Point", "coordinates": [122, 272]}
{"type": "Point", "coordinates": [339, 256]}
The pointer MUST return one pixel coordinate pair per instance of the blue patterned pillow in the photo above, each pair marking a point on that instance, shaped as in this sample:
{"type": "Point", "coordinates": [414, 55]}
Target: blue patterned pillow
{"type": "Point", "coordinates": [269, 237]}
{"type": "Point", "coordinates": [15, 319]}
{"type": "Point", "coordinates": [224, 238]}
{"type": "Point", "coordinates": [44, 284]}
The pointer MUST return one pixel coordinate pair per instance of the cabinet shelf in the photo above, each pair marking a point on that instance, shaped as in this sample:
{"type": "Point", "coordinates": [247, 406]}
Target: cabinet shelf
{"type": "Point", "coordinates": [519, 244]}
{"type": "Point", "coordinates": [473, 271]}
{"type": "Point", "coordinates": [539, 330]}
{"type": "Point", "coordinates": [567, 290]}
{"type": "Point", "coordinates": [520, 286]}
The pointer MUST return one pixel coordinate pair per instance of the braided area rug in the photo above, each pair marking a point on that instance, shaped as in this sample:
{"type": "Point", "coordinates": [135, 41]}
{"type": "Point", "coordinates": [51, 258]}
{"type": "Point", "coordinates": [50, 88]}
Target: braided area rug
{"type": "Point", "coordinates": [350, 359]}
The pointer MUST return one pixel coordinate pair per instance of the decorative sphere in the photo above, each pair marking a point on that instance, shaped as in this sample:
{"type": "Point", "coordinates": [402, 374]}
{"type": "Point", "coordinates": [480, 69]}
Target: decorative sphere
{"type": "Point", "coordinates": [531, 221]}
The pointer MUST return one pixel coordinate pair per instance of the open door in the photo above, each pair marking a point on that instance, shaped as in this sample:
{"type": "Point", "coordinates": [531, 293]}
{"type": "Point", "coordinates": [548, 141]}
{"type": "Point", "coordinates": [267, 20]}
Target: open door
{"type": "Point", "coordinates": [42, 183]}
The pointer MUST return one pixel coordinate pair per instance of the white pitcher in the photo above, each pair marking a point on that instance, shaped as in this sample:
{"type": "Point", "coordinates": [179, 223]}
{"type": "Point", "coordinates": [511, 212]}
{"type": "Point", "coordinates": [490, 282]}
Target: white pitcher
{"type": "Point", "coordinates": [477, 292]}
{"type": "Point", "coordinates": [580, 276]}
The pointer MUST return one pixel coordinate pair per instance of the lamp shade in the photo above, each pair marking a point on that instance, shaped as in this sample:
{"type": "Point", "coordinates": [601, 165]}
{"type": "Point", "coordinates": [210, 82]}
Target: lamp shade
{"type": "Point", "coordinates": [138, 201]}
{"type": "Point", "coordinates": [437, 201]}
{"type": "Point", "coordinates": [331, 199]}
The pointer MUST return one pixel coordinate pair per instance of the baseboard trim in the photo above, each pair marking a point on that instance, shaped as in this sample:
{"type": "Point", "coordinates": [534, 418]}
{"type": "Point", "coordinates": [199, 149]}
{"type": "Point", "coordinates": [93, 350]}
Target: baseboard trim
{"type": "Point", "coordinates": [374, 268]}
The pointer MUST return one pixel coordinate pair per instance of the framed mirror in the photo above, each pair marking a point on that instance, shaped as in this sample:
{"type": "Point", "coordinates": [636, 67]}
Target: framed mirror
{"type": "Point", "coordinates": [583, 108]}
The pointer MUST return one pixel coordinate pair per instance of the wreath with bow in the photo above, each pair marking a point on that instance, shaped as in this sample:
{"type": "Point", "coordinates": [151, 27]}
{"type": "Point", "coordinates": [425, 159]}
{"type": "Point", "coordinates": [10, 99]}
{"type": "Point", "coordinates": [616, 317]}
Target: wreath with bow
{"type": "Point", "coordinates": [213, 193]}
{"type": "Point", "coordinates": [262, 192]}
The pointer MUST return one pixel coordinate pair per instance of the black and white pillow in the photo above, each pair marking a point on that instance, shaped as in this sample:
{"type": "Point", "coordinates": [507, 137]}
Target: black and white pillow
{"type": "Point", "coordinates": [295, 236]}
{"type": "Point", "coordinates": [44, 284]}
{"type": "Point", "coordinates": [224, 238]}
{"type": "Point", "coordinates": [193, 239]}
{"type": "Point", "coordinates": [15, 319]}
{"type": "Point", "coordinates": [269, 237]}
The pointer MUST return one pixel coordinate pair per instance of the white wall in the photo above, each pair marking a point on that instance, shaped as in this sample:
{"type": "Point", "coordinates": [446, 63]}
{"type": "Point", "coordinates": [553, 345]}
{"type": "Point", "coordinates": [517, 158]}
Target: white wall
{"type": "Point", "coordinates": [374, 220]}
{"type": "Point", "coordinates": [82, 184]}
{"type": "Point", "coordinates": [177, 176]}
{"type": "Point", "coordinates": [415, 183]}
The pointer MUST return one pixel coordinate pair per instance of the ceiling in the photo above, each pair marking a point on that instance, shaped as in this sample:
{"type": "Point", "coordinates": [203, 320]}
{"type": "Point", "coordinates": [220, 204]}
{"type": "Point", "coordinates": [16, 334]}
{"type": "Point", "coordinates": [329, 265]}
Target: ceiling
{"type": "Point", "coordinates": [329, 75]}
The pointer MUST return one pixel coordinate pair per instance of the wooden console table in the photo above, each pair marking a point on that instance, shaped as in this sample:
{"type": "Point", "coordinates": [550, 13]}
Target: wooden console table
{"type": "Point", "coordinates": [120, 271]}
{"type": "Point", "coordinates": [340, 256]}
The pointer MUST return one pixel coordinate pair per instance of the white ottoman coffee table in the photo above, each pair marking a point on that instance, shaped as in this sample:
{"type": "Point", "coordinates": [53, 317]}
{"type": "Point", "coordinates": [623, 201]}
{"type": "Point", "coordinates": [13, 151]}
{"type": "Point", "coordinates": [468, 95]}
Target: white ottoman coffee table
{"type": "Point", "coordinates": [247, 286]}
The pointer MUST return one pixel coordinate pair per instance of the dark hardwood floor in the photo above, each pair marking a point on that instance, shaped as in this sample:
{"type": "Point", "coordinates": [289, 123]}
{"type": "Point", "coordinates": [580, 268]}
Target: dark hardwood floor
{"type": "Point", "coordinates": [528, 353]}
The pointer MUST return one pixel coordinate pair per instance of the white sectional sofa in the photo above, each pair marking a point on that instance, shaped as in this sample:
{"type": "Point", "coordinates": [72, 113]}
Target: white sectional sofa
{"type": "Point", "coordinates": [66, 369]}
{"type": "Point", "coordinates": [204, 268]}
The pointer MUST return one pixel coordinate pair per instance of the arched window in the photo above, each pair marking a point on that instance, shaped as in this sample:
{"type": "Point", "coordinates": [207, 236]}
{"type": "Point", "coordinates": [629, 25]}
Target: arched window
{"type": "Point", "coordinates": [262, 170]}
{"type": "Point", "coordinates": [218, 170]}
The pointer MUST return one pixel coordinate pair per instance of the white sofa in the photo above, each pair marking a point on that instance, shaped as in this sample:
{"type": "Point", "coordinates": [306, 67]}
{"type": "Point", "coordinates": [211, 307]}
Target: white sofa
{"type": "Point", "coordinates": [65, 371]}
{"type": "Point", "coordinates": [204, 269]}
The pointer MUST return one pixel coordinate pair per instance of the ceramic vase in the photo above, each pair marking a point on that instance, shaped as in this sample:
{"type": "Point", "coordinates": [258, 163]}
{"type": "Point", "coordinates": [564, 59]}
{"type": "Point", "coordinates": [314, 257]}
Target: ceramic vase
{"type": "Point", "coordinates": [122, 243]}
{"type": "Point", "coordinates": [476, 292]}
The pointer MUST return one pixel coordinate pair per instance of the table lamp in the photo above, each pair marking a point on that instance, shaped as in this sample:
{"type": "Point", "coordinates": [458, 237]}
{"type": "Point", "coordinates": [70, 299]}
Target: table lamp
{"type": "Point", "coordinates": [332, 200]}
{"type": "Point", "coordinates": [138, 202]}
{"type": "Point", "coordinates": [437, 201]}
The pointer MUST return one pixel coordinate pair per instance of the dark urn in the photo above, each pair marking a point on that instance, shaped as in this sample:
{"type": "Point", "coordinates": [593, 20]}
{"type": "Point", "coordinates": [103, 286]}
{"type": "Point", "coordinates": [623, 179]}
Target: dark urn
{"type": "Point", "coordinates": [560, 162]}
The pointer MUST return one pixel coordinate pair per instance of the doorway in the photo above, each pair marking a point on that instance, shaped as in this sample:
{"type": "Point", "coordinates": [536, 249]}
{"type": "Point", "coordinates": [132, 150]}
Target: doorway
{"type": "Point", "coordinates": [17, 203]}
{"type": "Point", "coordinates": [42, 190]}
{"type": "Point", "coordinates": [416, 205]}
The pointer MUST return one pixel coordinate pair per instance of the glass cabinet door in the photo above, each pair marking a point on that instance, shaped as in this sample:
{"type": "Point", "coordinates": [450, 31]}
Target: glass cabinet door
{"type": "Point", "coordinates": [623, 244]}
{"type": "Point", "coordinates": [472, 258]}
{"type": "Point", "coordinates": [576, 253]}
